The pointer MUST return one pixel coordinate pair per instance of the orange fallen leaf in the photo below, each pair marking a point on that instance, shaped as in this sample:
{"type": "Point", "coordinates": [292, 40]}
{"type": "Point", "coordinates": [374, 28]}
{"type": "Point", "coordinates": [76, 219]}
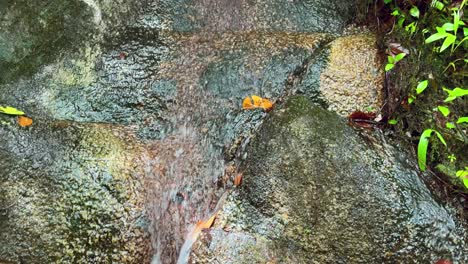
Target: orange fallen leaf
{"type": "Point", "coordinates": [254, 101]}
{"type": "Point", "coordinates": [202, 224]}
{"type": "Point", "coordinates": [238, 179]}
{"type": "Point", "coordinates": [251, 102]}
{"type": "Point", "coordinates": [267, 105]}
{"type": "Point", "coordinates": [206, 224]}
{"type": "Point", "coordinates": [24, 121]}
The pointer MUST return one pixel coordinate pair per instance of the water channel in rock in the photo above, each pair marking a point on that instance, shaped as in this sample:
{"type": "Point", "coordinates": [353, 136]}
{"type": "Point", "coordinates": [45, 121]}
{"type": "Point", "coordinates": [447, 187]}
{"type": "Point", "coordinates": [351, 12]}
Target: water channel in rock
{"type": "Point", "coordinates": [138, 125]}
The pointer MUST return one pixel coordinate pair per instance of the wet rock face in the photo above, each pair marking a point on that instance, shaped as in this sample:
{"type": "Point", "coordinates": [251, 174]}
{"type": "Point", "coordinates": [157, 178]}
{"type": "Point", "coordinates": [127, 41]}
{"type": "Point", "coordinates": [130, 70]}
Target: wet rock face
{"type": "Point", "coordinates": [35, 34]}
{"type": "Point", "coordinates": [264, 15]}
{"type": "Point", "coordinates": [353, 79]}
{"type": "Point", "coordinates": [68, 192]}
{"type": "Point", "coordinates": [151, 92]}
{"type": "Point", "coordinates": [314, 189]}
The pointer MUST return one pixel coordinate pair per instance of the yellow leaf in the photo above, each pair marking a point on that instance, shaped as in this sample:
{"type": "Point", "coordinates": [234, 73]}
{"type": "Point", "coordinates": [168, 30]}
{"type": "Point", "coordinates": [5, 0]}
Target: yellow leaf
{"type": "Point", "coordinates": [266, 104]}
{"type": "Point", "coordinates": [254, 101]}
{"type": "Point", "coordinates": [247, 104]}
{"type": "Point", "coordinates": [10, 110]}
{"type": "Point", "coordinates": [257, 100]}
{"type": "Point", "coordinates": [208, 223]}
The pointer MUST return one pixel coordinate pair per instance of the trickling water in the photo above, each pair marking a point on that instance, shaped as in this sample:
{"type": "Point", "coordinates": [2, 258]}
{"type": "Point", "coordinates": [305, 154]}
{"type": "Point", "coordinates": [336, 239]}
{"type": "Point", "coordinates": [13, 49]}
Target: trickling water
{"type": "Point", "coordinates": [188, 170]}
{"type": "Point", "coordinates": [177, 75]}
{"type": "Point", "coordinates": [182, 188]}
{"type": "Point", "coordinates": [163, 94]}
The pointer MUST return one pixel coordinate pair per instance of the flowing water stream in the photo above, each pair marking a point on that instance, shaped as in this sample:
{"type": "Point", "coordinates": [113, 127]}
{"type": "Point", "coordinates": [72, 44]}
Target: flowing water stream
{"type": "Point", "coordinates": [218, 53]}
{"type": "Point", "coordinates": [144, 118]}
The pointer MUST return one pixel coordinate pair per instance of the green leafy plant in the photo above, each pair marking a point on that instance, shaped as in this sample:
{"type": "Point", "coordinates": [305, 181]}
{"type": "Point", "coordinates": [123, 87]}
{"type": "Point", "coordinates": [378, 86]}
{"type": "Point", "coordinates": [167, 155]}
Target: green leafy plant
{"type": "Point", "coordinates": [449, 125]}
{"type": "Point", "coordinates": [10, 110]}
{"type": "Point", "coordinates": [423, 145]}
{"type": "Point", "coordinates": [439, 25]}
{"type": "Point", "coordinates": [444, 110]}
{"type": "Point", "coordinates": [437, 4]}
{"type": "Point", "coordinates": [450, 39]}
{"type": "Point", "coordinates": [463, 119]}
{"type": "Point", "coordinates": [392, 121]}
{"type": "Point", "coordinates": [414, 11]}
{"type": "Point", "coordinates": [392, 60]}
{"type": "Point", "coordinates": [463, 176]}
{"type": "Point", "coordinates": [455, 93]}
{"type": "Point", "coordinates": [422, 85]}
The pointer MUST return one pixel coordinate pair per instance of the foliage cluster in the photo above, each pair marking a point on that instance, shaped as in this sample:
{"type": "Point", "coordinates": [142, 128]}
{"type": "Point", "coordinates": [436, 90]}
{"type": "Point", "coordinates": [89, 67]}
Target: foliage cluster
{"type": "Point", "coordinates": [435, 94]}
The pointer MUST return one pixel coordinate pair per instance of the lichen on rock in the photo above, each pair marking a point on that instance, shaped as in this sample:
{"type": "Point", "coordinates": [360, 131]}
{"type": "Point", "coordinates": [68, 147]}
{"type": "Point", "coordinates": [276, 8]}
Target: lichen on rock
{"type": "Point", "coordinates": [353, 79]}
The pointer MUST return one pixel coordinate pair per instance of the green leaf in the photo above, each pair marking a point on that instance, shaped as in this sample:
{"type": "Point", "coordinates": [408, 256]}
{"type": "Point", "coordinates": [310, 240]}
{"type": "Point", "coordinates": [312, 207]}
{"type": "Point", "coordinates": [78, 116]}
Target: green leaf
{"type": "Point", "coordinates": [399, 56]}
{"type": "Point", "coordinates": [411, 27]}
{"type": "Point", "coordinates": [437, 4]}
{"type": "Point", "coordinates": [459, 92]}
{"type": "Point", "coordinates": [401, 20]}
{"type": "Point", "coordinates": [422, 148]}
{"type": "Point", "coordinates": [455, 93]}
{"type": "Point", "coordinates": [391, 59]}
{"type": "Point", "coordinates": [411, 99]}
{"type": "Point", "coordinates": [465, 32]}
{"type": "Point", "coordinates": [421, 86]}
{"type": "Point", "coordinates": [440, 30]}
{"type": "Point", "coordinates": [10, 110]}
{"type": "Point", "coordinates": [395, 13]}
{"type": "Point", "coordinates": [435, 37]}
{"type": "Point", "coordinates": [387, 1]}
{"type": "Point", "coordinates": [463, 119]}
{"type": "Point", "coordinates": [465, 181]}
{"type": "Point", "coordinates": [448, 26]}
{"type": "Point", "coordinates": [392, 121]}
{"type": "Point", "coordinates": [463, 175]}
{"type": "Point", "coordinates": [460, 42]}
{"type": "Point", "coordinates": [414, 11]}
{"type": "Point", "coordinates": [449, 125]}
{"type": "Point", "coordinates": [449, 40]}
{"type": "Point", "coordinates": [441, 138]}
{"type": "Point", "coordinates": [456, 20]}
{"type": "Point", "coordinates": [423, 144]}
{"type": "Point", "coordinates": [444, 110]}
{"type": "Point", "coordinates": [389, 66]}
{"type": "Point", "coordinates": [452, 158]}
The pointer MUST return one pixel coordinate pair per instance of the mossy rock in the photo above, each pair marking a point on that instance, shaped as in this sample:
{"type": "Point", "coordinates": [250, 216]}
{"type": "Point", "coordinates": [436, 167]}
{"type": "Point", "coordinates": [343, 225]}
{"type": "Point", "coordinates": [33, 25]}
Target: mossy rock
{"type": "Point", "coordinates": [318, 191]}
